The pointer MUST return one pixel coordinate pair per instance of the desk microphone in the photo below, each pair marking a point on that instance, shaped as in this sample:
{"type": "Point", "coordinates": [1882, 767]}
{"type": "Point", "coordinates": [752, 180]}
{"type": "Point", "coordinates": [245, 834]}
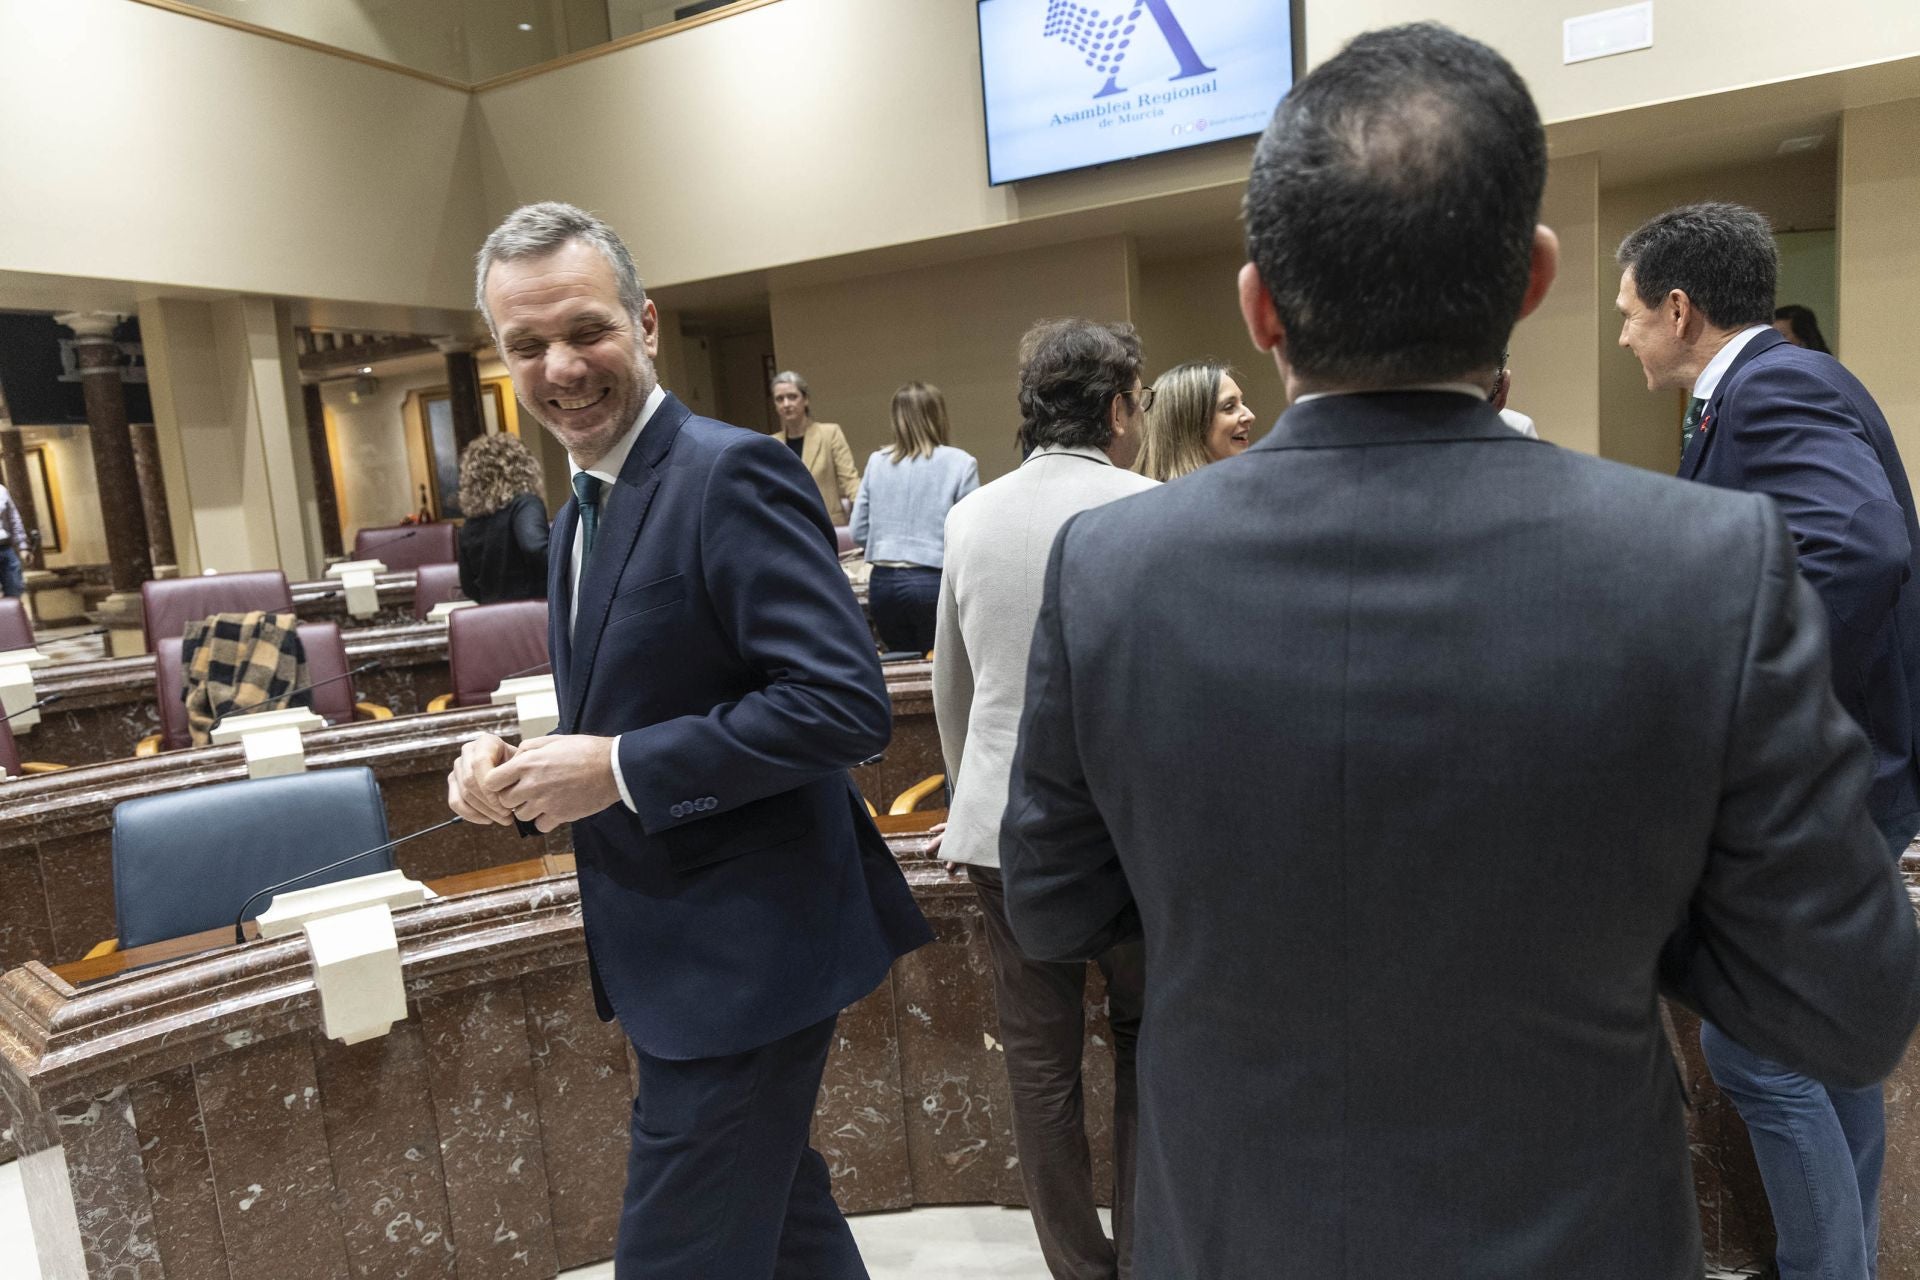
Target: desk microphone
{"type": "Point", "coordinates": [311, 685]}
{"type": "Point", "coordinates": [240, 934]}
{"type": "Point", "coordinates": [398, 537]}
{"type": "Point", "coordinates": [34, 706]}
{"type": "Point", "coordinates": [536, 667]}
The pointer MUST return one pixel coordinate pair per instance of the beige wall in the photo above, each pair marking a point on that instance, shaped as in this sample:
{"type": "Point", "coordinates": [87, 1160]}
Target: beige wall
{"type": "Point", "coordinates": [1700, 46]}
{"type": "Point", "coordinates": [1556, 377]}
{"type": "Point", "coordinates": [1189, 309]}
{"type": "Point", "coordinates": [142, 145]}
{"type": "Point", "coordinates": [1879, 261]}
{"type": "Point", "coordinates": [957, 326]}
{"type": "Point", "coordinates": [377, 484]}
{"type": "Point", "coordinates": [70, 472]}
{"type": "Point", "coordinates": [798, 131]}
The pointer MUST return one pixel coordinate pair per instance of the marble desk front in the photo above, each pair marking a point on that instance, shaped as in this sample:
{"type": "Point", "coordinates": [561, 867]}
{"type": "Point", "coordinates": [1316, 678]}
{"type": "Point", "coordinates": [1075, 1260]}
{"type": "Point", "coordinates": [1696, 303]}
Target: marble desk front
{"type": "Point", "coordinates": [189, 1119]}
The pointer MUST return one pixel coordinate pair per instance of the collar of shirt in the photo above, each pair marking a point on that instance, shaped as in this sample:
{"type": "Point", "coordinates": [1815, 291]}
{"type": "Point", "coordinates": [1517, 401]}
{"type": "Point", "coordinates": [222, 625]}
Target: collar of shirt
{"type": "Point", "coordinates": [1459, 388]}
{"type": "Point", "coordinates": [607, 470]}
{"type": "Point", "coordinates": [1073, 451]}
{"type": "Point", "coordinates": [1709, 380]}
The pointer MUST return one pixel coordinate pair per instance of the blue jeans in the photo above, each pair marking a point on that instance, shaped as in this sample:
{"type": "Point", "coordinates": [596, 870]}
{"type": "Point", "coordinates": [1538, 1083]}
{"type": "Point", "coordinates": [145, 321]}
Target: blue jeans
{"type": "Point", "coordinates": [1820, 1149]}
{"type": "Point", "coordinates": [13, 580]}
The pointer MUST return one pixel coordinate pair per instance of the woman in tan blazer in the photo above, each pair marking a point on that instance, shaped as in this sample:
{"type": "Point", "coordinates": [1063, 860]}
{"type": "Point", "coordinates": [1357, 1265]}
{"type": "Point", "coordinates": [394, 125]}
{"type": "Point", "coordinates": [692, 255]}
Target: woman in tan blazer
{"type": "Point", "coordinates": [822, 446]}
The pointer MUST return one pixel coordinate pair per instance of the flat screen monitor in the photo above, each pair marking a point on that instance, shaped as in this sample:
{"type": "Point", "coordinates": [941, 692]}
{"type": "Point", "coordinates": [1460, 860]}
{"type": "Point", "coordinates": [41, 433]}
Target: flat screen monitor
{"type": "Point", "coordinates": [1070, 84]}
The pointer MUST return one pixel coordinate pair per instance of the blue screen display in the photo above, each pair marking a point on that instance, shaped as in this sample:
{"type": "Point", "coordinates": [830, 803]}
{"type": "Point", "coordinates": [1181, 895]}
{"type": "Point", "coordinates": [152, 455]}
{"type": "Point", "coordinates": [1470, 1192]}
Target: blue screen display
{"type": "Point", "coordinates": [1070, 84]}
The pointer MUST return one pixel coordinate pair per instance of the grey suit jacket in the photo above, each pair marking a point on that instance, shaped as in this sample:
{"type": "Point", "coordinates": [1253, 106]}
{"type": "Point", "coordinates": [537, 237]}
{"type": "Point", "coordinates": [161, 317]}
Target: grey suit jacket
{"type": "Point", "coordinates": [996, 554]}
{"type": "Point", "coordinates": [1425, 755]}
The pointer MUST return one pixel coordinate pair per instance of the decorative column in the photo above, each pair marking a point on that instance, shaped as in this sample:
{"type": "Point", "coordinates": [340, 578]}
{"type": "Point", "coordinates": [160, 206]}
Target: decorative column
{"type": "Point", "coordinates": [13, 474]}
{"type": "Point", "coordinates": [113, 465]}
{"type": "Point", "coordinates": [463, 384]}
{"type": "Point", "coordinates": [326, 501]}
{"type": "Point", "coordinates": [153, 496]}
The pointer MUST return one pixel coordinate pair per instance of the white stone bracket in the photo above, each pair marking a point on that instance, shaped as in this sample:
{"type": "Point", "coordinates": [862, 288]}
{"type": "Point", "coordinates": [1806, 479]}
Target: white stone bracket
{"type": "Point", "coordinates": [271, 739]}
{"type": "Point", "coordinates": [363, 596]}
{"type": "Point", "coordinates": [17, 691]}
{"type": "Point", "coordinates": [352, 947]}
{"type": "Point", "coordinates": [535, 701]}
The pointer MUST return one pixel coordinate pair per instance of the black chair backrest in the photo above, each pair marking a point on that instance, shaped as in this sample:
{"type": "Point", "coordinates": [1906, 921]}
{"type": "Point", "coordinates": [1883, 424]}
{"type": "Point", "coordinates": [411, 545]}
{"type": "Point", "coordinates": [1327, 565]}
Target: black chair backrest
{"type": "Point", "coordinates": [187, 860]}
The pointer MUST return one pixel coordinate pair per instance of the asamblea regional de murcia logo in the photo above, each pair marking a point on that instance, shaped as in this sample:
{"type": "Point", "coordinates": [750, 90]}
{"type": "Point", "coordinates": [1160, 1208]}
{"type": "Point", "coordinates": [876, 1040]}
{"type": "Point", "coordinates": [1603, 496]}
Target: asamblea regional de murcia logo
{"type": "Point", "coordinates": [1105, 40]}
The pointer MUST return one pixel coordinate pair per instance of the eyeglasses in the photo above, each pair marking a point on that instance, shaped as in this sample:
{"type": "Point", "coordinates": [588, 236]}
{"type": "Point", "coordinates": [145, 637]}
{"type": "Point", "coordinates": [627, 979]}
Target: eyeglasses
{"type": "Point", "coordinates": [1141, 396]}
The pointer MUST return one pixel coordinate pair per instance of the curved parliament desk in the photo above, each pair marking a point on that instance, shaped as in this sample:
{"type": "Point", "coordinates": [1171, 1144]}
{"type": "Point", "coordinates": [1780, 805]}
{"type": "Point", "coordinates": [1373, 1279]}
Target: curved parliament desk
{"type": "Point", "coordinates": [187, 1119]}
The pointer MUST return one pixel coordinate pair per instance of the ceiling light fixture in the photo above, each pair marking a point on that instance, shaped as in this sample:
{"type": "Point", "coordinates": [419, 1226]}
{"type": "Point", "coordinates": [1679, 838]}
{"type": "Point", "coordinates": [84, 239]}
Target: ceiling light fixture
{"type": "Point", "coordinates": [526, 26]}
{"type": "Point", "coordinates": [366, 368]}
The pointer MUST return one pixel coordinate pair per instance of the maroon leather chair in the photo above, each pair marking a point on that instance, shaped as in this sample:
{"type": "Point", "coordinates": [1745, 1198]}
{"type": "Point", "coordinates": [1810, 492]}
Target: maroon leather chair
{"type": "Point", "coordinates": [843, 536]}
{"type": "Point", "coordinates": [9, 752]}
{"type": "Point", "coordinates": [326, 658]}
{"type": "Point", "coordinates": [408, 546]}
{"type": "Point", "coordinates": [435, 584]}
{"type": "Point", "coordinates": [490, 642]}
{"type": "Point", "coordinates": [166, 607]}
{"type": "Point", "coordinates": [16, 628]}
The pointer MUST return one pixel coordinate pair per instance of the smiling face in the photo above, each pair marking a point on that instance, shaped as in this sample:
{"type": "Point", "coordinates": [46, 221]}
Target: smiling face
{"type": "Point", "coordinates": [1657, 336]}
{"type": "Point", "coordinates": [578, 361]}
{"type": "Point", "coordinates": [1229, 430]}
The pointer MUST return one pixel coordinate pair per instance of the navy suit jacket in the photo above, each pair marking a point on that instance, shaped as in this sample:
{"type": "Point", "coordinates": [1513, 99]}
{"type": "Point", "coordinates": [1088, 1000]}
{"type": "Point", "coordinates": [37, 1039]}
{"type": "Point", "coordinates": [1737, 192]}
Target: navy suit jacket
{"type": "Point", "coordinates": [1795, 425]}
{"type": "Point", "coordinates": [750, 896]}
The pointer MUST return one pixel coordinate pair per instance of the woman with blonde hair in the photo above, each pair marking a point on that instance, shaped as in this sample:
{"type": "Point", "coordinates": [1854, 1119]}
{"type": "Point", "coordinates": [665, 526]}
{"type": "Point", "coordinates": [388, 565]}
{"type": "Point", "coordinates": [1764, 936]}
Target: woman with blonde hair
{"type": "Point", "coordinates": [900, 516]}
{"type": "Point", "coordinates": [1197, 417]}
{"type": "Point", "coordinates": [503, 544]}
{"type": "Point", "coordinates": [820, 446]}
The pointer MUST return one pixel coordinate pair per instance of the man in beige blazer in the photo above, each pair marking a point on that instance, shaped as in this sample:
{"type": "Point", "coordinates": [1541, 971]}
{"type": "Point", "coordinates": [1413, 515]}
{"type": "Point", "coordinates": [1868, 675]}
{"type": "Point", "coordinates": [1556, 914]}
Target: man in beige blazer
{"type": "Point", "coordinates": [822, 446]}
{"type": "Point", "coordinates": [1082, 405]}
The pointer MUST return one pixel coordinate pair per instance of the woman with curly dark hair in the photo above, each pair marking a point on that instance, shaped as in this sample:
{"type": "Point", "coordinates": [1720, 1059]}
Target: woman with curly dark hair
{"type": "Point", "coordinates": [503, 544]}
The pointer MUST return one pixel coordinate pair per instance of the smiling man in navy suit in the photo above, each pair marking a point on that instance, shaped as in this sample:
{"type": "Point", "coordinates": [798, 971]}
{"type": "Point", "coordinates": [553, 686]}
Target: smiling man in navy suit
{"type": "Point", "coordinates": [1766, 416]}
{"type": "Point", "coordinates": [716, 681]}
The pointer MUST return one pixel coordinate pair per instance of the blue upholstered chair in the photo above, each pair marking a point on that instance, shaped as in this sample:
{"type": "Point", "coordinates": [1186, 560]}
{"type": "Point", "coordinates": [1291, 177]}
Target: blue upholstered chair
{"type": "Point", "coordinates": [187, 860]}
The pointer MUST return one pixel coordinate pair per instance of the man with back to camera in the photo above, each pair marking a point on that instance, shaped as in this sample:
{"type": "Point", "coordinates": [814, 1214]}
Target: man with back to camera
{"type": "Point", "coordinates": [1765, 416]}
{"type": "Point", "coordinates": [1425, 756]}
{"type": "Point", "coordinates": [716, 681]}
{"type": "Point", "coordinates": [1082, 409]}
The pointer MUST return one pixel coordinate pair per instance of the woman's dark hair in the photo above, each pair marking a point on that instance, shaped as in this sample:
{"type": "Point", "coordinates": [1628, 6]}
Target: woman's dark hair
{"type": "Point", "coordinates": [1070, 371]}
{"type": "Point", "coordinates": [1806, 328]}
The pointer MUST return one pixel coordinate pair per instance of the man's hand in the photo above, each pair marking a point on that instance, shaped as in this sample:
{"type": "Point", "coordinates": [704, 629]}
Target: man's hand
{"type": "Point", "coordinates": [555, 780]}
{"type": "Point", "coordinates": [467, 792]}
{"type": "Point", "coordinates": [939, 830]}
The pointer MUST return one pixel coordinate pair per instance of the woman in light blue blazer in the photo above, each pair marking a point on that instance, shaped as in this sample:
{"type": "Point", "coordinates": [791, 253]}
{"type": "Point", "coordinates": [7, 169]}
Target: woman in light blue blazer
{"type": "Point", "coordinates": [900, 516]}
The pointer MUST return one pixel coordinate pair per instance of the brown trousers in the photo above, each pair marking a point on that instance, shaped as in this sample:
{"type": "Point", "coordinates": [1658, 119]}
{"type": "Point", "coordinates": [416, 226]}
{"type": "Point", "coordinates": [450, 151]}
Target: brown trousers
{"type": "Point", "coordinates": [1042, 1029]}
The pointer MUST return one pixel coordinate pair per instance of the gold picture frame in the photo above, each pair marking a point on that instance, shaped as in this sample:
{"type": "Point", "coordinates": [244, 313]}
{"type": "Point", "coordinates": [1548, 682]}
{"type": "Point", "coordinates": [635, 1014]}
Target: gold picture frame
{"type": "Point", "coordinates": [48, 512]}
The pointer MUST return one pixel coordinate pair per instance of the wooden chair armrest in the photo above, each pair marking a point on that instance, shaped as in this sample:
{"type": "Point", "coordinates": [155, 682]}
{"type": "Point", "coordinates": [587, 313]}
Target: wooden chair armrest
{"type": "Point", "coordinates": [147, 746]}
{"type": "Point", "coordinates": [442, 703]}
{"type": "Point", "coordinates": [871, 811]}
{"type": "Point", "coordinates": [909, 800]}
{"type": "Point", "coordinates": [40, 766]}
{"type": "Point", "coordinates": [371, 711]}
{"type": "Point", "coordinates": [106, 948]}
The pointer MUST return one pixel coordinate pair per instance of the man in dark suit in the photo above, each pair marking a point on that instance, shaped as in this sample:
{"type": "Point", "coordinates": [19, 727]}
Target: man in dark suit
{"type": "Point", "coordinates": [716, 680]}
{"type": "Point", "coordinates": [1765, 416]}
{"type": "Point", "coordinates": [1425, 756]}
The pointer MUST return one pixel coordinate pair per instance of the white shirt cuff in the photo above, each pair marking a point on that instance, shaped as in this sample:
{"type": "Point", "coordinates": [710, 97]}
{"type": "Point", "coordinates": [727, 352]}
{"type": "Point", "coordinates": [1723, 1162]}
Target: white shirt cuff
{"type": "Point", "coordinates": [620, 779]}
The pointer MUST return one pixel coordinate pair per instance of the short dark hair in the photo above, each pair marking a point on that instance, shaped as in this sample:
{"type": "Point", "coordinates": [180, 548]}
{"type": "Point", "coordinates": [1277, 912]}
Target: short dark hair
{"type": "Point", "coordinates": [1722, 256]}
{"type": "Point", "coordinates": [1392, 205]}
{"type": "Point", "coordinates": [1805, 326]}
{"type": "Point", "coordinates": [1070, 371]}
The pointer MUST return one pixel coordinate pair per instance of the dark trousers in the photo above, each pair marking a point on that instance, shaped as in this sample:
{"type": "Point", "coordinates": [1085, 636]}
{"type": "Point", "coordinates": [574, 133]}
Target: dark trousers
{"type": "Point", "coordinates": [904, 603]}
{"type": "Point", "coordinates": [721, 1184]}
{"type": "Point", "coordinates": [13, 580]}
{"type": "Point", "coordinates": [1042, 1029]}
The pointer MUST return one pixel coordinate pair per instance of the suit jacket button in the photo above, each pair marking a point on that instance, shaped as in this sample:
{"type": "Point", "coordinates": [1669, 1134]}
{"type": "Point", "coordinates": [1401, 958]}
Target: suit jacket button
{"type": "Point", "coordinates": [678, 811]}
{"type": "Point", "coordinates": [709, 803]}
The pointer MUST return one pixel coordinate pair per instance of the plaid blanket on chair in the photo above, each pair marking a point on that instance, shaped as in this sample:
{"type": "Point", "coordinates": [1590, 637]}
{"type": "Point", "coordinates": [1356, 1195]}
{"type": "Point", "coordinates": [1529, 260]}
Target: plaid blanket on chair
{"type": "Point", "coordinates": [233, 661]}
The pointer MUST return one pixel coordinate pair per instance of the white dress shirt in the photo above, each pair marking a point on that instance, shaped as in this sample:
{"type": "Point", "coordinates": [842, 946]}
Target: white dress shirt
{"type": "Point", "coordinates": [607, 471]}
{"type": "Point", "coordinates": [1709, 380]}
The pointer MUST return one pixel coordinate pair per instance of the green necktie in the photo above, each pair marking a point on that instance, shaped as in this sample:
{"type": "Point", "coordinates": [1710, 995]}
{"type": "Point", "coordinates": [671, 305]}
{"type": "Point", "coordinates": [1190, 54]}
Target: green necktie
{"type": "Point", "coordinates": [586, 491]}
{"type": "Point", "coordinates": [1695, 407]}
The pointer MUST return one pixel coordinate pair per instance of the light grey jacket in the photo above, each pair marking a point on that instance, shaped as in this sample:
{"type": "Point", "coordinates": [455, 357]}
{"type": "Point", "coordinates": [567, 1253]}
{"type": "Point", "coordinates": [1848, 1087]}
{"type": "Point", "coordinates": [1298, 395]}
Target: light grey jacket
{"type": "Point", "coordinates": [902, 506]}
{"type": "Point", "coordinates": [998, 539]}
